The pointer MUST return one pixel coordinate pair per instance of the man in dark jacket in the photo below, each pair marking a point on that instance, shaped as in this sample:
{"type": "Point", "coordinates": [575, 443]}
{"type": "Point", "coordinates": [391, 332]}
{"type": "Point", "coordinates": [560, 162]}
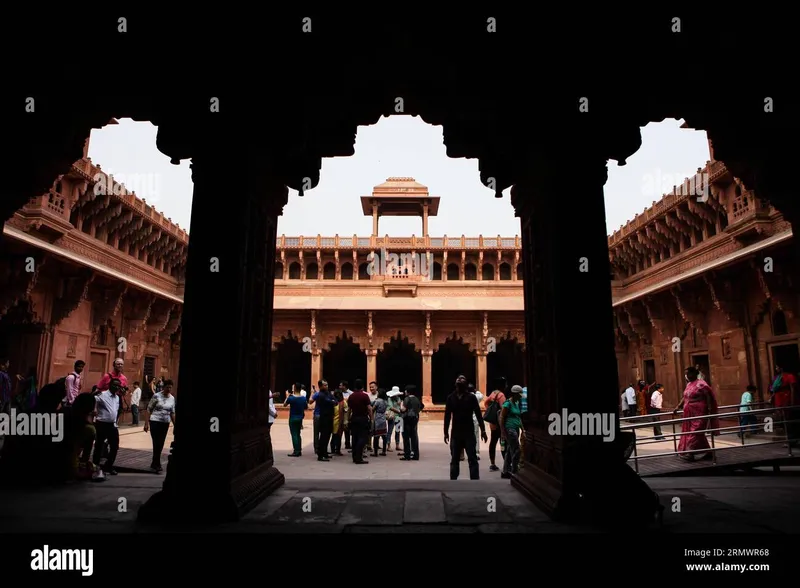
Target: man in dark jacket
{"type": "Point", "coordinates": [460, 408]}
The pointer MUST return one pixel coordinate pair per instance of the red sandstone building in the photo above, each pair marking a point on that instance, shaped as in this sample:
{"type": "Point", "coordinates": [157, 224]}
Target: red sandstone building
{"type": "Point", "coordinates": [96, 268]}
{"type": "Point", "coordinates": [694, 281]}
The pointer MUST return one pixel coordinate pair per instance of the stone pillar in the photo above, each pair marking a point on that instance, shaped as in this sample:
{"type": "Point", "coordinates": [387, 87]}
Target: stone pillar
{"type": "Point", "coordinates": [425, 220]}
{"type": "Point", "coordinates": [316, 366]}
{"type": "Point", "coordinates": [374, 220]}
{"type": "Point", "coordinates": [221, 462]}
{"type": "Point", "coordinates": [427, 383]}
{"type": "Point", "coordinates": [372, 366]}
{"type": "Point", "coordinates": [570, 476]}
{"type": "Point", "coordinates": [480, 371]}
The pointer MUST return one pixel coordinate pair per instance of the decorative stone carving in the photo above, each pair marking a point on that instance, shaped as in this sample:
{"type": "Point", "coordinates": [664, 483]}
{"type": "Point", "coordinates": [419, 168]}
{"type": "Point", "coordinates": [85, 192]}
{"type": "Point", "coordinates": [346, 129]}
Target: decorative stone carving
{"type": "Point", "coordinates": [370, 330]}
{"type": "Point", "coordinates": [427, 331]}
{"type": "Point", "coordinates": [72, 345]}
{"type": "Point", "coordinates": [19, 283]}
{"type": "Point", "coordinates": [314, 329]}
{"type": "Point", "coordinates": [726, 347]}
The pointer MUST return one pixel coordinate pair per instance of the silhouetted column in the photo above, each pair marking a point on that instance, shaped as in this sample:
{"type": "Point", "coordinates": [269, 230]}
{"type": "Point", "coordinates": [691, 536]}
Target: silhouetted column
{"type": "Point", "coordinates": [316, 366]}
{"type": "Point", "coordinates": [427, 382]}
{"type": "Point", "coordinates": [480, 371]}
{"type": "Point", "coordinates": [221, 463]}
{"type": "Point", "coordinates": [568, 319]}
{"type": "Point", "coordinates": [372, 366]}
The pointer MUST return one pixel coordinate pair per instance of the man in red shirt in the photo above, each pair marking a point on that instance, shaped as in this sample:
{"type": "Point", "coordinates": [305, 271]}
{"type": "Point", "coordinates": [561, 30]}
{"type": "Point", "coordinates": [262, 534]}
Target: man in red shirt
{"type": "Point", "coordinates": [105, 381]}
{"type": "Point", "coordinates": [360, 418]}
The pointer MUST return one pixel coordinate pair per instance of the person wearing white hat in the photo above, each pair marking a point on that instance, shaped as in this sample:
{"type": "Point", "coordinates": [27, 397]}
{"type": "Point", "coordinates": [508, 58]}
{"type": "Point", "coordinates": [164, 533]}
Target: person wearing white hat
{"type": "Point", "coordinates": [393, 416]}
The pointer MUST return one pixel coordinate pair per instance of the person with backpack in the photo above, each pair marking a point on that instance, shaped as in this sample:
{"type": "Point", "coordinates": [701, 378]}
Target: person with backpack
{"type": "Point", "coordinates": [493, 405]}
{"type": "Point", "coordinates": [72, 386]}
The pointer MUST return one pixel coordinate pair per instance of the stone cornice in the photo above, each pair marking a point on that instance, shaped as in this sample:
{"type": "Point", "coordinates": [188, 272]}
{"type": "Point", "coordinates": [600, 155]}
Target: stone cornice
{"type": "Point", "coordinates": [709, 259]}
{"type": "Point", "coordinates": [105, 259]}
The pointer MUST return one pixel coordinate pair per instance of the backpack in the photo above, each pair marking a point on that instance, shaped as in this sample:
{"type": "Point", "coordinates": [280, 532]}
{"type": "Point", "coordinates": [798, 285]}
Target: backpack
{"type": "Point", "coordinates": [492, 415]}
{"type": "Point", "coordinates": [61, 384]}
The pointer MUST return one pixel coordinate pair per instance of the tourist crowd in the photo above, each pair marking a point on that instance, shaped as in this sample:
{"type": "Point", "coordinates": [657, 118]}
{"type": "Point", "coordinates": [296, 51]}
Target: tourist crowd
{"type": "Point", "coordinates": [90, 418]}
{"type": "Point", "coordinates": [367, 421]}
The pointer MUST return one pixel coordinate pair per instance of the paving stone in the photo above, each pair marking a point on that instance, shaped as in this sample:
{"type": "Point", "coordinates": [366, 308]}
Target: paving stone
{"type": "Point", "coordinates": [321, 507]}
{"type": "Point", "coordinates": [306, 528]}
{"type": "Point", "coordinates": [424, 507]}
{"type": "Point", "coordinates": [377, 508]}
{"type": "Point", "coordinates": [520, 508]}
{"type": "Point", "coordinates": [413, 529]}
{"type": "Point", "coordinates": [474, 509]}
{"type": "Point", "coordinates": [506, 528]}
{"type": "Point", "coordinates": [270, 505]}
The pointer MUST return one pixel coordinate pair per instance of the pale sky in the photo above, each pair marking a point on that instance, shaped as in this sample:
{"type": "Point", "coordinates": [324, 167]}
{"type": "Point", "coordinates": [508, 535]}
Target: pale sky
{"type": "Point", "coordinates": [407, 147]}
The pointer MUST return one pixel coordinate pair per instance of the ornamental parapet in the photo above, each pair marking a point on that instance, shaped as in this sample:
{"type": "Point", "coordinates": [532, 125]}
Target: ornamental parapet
{"type": "Point", "coordinates": [400, 243]}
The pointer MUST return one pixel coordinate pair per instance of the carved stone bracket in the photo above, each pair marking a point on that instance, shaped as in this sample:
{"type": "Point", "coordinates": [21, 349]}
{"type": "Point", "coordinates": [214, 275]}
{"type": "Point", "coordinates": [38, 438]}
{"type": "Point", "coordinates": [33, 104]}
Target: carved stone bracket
{"type": "Point", "coordinates": [314, 330]}
{"type": "Point", "coordinates": [141, 312]}
{"type": "Point", "coordinates": [485, 332]}
{"type": "Point", "coordinates": [370, 330]}
{"type": "Point", "coordinates": [18, 283]}
{"type": "Point", "coordinates": [74, 290]}
{"type": "Point", "coordinates": [655, 316]}
{"type": "Point", "coordinates": [107, 306]}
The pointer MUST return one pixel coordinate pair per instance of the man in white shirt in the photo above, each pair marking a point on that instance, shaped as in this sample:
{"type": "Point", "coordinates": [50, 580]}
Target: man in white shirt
{"type": "Point", "coordinates": [136, 398]}
{"type": "Point", "coordinates": [273, 413]}
{"type": "Point", "coordinates": [105, 423]}
{"type": "Point", "coordinates": [625, 408]}
{"type": "Point", "coordinates": [656, 402]}
{"type": "Point", "coordinates": [630, 396]}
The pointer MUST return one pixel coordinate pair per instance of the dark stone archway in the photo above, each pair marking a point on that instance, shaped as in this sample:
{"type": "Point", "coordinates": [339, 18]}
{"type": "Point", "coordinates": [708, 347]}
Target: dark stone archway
{"type": "Point", "coordinates": [292, 364]}
{"type": "Point", "coordinates": [453, 357]}
{"type": "Point", "coordinates": [271, 140]}
{"type": "Point", "coordinates": [399, 363]}
{"type": "Point", "coordinates": [343, 361]}
{"type": "Point", "coordinates": [507, 361]}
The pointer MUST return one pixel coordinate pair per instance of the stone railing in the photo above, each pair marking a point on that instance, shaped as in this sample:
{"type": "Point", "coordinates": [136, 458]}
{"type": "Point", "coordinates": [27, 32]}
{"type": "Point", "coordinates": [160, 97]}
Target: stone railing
{"type": "Point", "coordinates": [92, 172]}
{"type": "Point", "coordinates": [398, 243]}
{"type": "Point", "coordinates": [679, 195]}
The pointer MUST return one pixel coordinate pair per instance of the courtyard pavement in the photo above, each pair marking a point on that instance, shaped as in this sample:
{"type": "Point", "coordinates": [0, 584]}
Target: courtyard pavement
{"type": "Point", "coordinates": [388, 495]}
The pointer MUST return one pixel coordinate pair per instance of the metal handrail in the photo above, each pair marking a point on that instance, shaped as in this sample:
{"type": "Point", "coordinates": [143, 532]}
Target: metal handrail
{"type": "Point", "coordinates": [650, 415]}
{"type": "Point", "coordinates": [742, 428]}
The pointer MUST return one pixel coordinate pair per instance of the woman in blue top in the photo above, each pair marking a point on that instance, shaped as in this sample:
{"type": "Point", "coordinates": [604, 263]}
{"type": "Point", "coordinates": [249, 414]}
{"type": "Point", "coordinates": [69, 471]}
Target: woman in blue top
{"type": "Point", "coordinates": [297, 412]}
{"type": "Point", "coordinates": [510, 425]}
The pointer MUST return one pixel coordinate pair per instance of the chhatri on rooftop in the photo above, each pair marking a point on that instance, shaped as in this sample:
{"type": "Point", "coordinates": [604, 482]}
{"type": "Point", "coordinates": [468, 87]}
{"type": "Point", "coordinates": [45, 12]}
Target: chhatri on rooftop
{"type": "Point", "coordinates": [400, 197]}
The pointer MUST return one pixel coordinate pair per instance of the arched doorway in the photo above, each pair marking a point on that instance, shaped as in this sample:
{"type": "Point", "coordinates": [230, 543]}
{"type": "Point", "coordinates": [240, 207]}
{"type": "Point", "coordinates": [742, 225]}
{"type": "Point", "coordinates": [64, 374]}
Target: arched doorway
{"type": "Point", "coordinates": [451, 359]}
{"type": "Point", "coordinates": [20, 341]}
{"type": "Point", "coordinates": [506, 361]}
{"type": "Point", "coordinates": [291, 364]}
{"type": "Point", "coordinates": [399, 364]}
{"type": "Point", "coordinates": [343, 361]}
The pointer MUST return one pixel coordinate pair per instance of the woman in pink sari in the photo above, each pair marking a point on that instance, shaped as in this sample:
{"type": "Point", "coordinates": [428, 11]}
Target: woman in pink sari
{"type": "Point", "coordinates": [698, 400]}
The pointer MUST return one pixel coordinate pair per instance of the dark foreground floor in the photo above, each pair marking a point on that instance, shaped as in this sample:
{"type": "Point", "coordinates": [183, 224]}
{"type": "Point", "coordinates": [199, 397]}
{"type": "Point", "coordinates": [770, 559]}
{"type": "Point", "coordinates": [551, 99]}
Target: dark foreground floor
{"type": "Point", "coordinates": [731, 504]}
